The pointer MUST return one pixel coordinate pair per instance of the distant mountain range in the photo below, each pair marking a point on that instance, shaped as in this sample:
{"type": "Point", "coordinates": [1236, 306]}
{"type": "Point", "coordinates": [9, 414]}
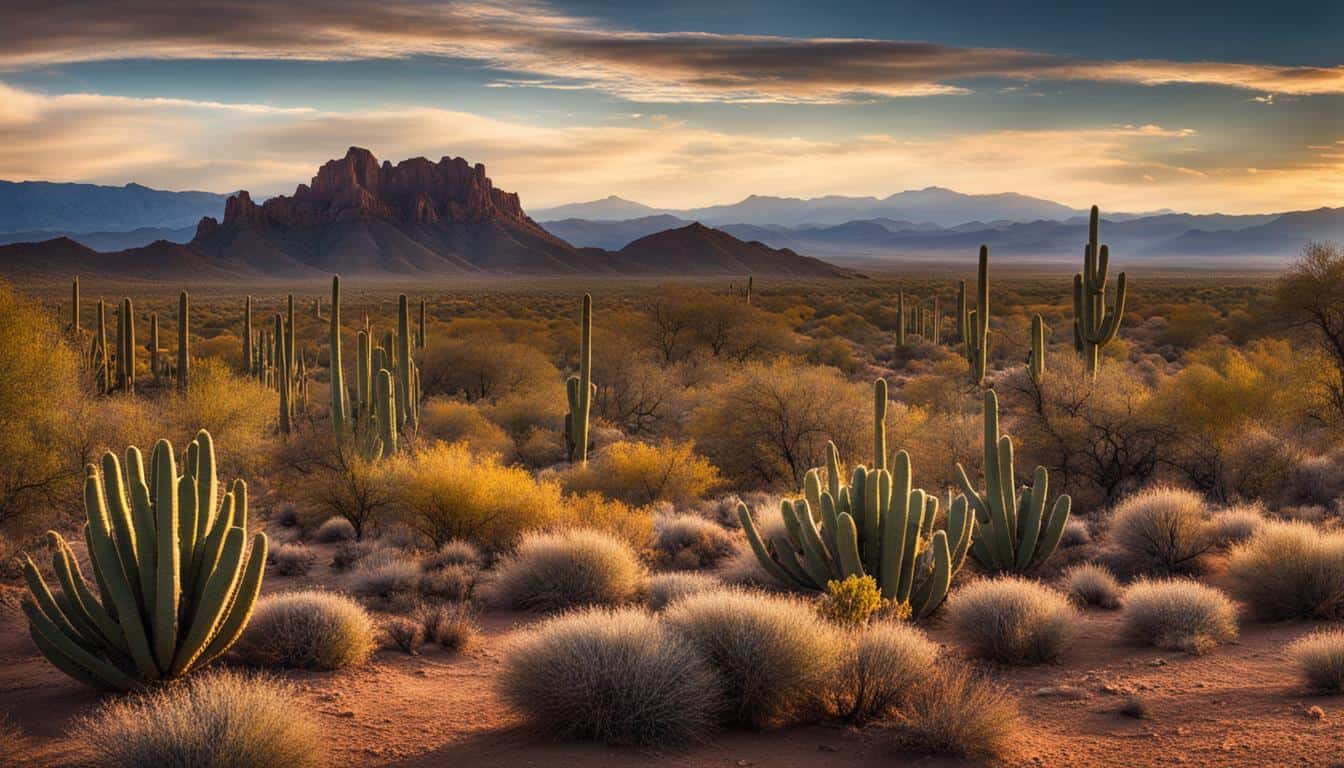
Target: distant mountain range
{"type": "Point", "coordinates": [32, 206]}
{"type": "Point", "coordinates": [362, 217]}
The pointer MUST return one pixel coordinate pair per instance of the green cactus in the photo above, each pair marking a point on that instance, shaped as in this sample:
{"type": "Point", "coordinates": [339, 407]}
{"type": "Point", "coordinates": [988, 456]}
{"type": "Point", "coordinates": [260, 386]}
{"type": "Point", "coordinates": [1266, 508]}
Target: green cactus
{"type": "Point", "coordinates": [974, 323]}
{"type": "Point", "coordinates": [154, 345]}
{"type": "Point", "coordinates": [176, 580]}
{"type": "Point", "coordinates": [420, 337]}
{"type": "Point", "coordinates": [900, 318]}
{"type": "Point", "coordinates": [183, 341]}
{"type": "Point", "coordinates": [579, 390]}
{"type": "Point", "coordinates": [1095, 325]}
{"type": "Point", "coordinates": [285, 378]}
{"type": "Point", "coordinates": [1012, 532]}
{"type": "Point", "coordinates": [338, 392]}
{"type": "Point", "coordinates": [1036, 360]}
{"type": "Point", "coordinates": [101, 365]}
{"type": "Point", "coordinates": [126, 346]}
{"type": "Point", "coordinates": [876, 525]}
{"type": "Point", "coordinates": [385, 411]}
{"type": "Point", "coordinates": [247, 334]}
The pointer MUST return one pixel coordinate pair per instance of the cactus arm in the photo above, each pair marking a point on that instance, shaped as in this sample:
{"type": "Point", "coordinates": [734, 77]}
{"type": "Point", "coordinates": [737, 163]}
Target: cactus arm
{"type": "Point", "coordinates": [207, 491]}
{"type": "Point", "coordinates": [337, 373]}
{"type": "Point", "coordinates": [1008, 487]}
{"type": "Point", "coordinates": [119, 515]}
{"type": "Point", "coordinates": [830, 520]}
{"type": "Point", "coordinates": [1054, 531]}
{"type": "Point", "coordinates": [847, 547]}
{"type": "Point", "coordinates": [789, 561]}
{"type": "Point", "coordinates": [62, 652]}
{"type": "Point", "coordinates": [214, 546]}
{"type": "Point", "coordinates": [103, 553]}
{"type": "Point", "coordinates": [1033, 514]}
{"type": "Point", "coordinates": [815, 561]}
{"type": "Point", "coordinates": [833, 479]}
{"type": "Point", "coordinates": [142, 514]}
{"type": "Point", "coordinates": [74, 586]}
{"type": "Point", "coordinates": [758, 546]}
{"type": "Point", "coordinates": [893, 531]}
{"type": "Point", "coordinates": [71, 599]}
{"type": "Point", "coordinates": [242, 600]}
{"type": "Point", "coordinates": [959, 526]}
{"type": "Point", "coordinates": [64, 663]}
{"type": "Point", "coordinates": [880, 424]}
{"type": "Point", "coordinates": [209, 610]}
{"type": "Point", "coordinates": [170, 558]}
{"type": "Point", "coordinates": [910, 550]}
{"type": "Point", "coordinates": [46, 602]}
{"type": "Point", "coordinates": [933, 590]}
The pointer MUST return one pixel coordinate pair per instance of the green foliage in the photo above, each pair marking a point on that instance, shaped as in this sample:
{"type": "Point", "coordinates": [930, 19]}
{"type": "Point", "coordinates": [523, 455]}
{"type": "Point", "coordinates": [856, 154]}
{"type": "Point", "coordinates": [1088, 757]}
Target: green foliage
{"type": "Point", "coordinates": [975, 322]}
{"type": "Point", "coordinates": [1095, 325]}
{"type": "Point", "coordinates": [851, 602]}
{"type": "Point", "coordinates": [175, 579]}
{"type": "Point", "coordinates": [579, 391]}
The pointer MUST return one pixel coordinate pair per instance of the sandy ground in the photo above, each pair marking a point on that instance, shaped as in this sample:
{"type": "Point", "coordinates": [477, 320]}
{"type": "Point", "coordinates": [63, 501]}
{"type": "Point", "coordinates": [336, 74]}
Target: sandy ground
{"type": "Point", "coordinates": [1240, 705]}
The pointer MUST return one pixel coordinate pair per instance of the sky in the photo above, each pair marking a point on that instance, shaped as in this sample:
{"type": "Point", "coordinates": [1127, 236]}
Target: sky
{"type": "Point", "coordinates": [1234, 107]}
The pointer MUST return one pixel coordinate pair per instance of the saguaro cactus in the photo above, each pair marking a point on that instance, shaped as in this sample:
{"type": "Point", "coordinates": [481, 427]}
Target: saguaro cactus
{"type": "Point", "coordinates": [247, 334]}
{"type": "Point", "coordinates": [176, 580]}
{"type": "Point", "coordinates": [975, 322]}
{"type": "Point", "coordinates": [579, 390]}
{"type": "Point", "coordinates": [900, 318]}
{"type": "Point", "coordinates": [1012, 532]}
{"type": "Point", "coordinates": [420, 338]}
{"type": "Point", "coordinates": [1095, 325]}
{"type": "Point", "coordinates": [183, 342]}
{"type": "Point", "coordinates": [285, 378]}
{"type": "Point", "coordinates": [154, 345]}
{"type": "Point", "coordinates": [126, 346]}
{"type": "Point", "coordinates": [1036, 361]}
{"type": "Point", "coordinates": [338, 393]}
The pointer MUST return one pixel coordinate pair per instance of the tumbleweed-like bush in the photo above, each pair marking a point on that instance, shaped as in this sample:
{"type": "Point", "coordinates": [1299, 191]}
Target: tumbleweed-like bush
{"type": "Point", "coordinates": [307, 630]}
{"type": "Point", "coordinates": [1013, 620]}
{"type": "Point", "coordinates": [1179, 614]}
{"type": "Point", "coordinates": [567, 569]}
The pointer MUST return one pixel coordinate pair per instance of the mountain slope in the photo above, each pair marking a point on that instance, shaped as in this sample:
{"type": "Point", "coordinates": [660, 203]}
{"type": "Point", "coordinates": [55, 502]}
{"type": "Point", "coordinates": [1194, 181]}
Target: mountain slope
{"type": "Point", "coordinates": [42, 205]}
{"type": "Point", "coordinates": [699, 250]}
{"type": "Point", "coordinates": [610, 208]}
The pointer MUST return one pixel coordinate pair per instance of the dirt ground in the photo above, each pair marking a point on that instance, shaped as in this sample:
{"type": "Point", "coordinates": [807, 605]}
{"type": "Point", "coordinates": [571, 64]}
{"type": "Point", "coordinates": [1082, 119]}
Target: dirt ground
{"type": "Point", "coordinates": [1240, 705]}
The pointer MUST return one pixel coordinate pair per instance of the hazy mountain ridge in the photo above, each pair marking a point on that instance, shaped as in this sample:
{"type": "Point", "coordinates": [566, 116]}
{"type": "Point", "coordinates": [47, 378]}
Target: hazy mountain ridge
{"type": "Point", "coordinates": [31, 206]}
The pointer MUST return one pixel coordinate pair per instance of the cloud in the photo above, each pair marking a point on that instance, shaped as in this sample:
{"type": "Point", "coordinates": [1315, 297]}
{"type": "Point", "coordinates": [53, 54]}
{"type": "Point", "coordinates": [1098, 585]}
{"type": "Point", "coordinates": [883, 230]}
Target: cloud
{"type": "Point", "coordinates": [540, 48]}
{"type": "Point", "coordinates": [179, 144]}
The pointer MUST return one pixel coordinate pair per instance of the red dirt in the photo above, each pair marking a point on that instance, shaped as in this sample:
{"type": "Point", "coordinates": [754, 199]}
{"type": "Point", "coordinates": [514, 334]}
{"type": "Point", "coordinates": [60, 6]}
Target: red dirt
{"type": "Point", "coordinates": [1238, 705]}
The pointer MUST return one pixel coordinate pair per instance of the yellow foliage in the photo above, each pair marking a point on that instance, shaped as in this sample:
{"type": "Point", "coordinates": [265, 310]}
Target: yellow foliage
{"type": "Point", "coordinates": [643, 473]}
{"type": "Point", "coordinates": [851, 602]}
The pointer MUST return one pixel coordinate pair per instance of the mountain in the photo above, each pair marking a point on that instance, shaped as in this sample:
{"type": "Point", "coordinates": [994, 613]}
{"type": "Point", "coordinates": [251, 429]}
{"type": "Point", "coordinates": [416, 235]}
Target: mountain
{"type": "Point", "coordinates": [699, 250]}
{"type": "Point", "coordinates": [611, 235]}
{"type": "Point", "coordinates": [611, 208]}
{"type": "Point", "coordinates": [106, 241]}
{"type": "Point", "coordinates": [30, 206]}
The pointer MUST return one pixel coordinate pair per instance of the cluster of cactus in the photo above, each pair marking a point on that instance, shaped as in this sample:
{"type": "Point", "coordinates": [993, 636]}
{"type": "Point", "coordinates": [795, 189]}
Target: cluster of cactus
{"type": "Point", "coordinates": [1095, 325]}
{"type": "Point", "coordinates": [877, 525]}
{"type": "Point", "coordinates": [743, 293]}
{"type": "Point", "coordinates": [176, 581]}
{"type": "Point", "coordinates": [925, 322]}
{"type": "Point", "coordinates": [1012, 532]}
{"type": "Point", "coordinates": [973, 324]}
{"type": "Point", "coordinates": [579, 390]}
{"type": "Point", "coordinates": [386, 397]}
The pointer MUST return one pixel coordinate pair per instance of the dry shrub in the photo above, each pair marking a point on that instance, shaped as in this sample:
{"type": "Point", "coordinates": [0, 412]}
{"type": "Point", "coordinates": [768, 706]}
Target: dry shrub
{"type": "Point", "coordinates": [451, 582]}
{"type": "Point", "coordinates": [392, 579]}
{"type": "Point", "coordinates": [404, 633]}
{"type": "Point", "coordinates": [613, 676]}
{"type": "Point", "coordinates": [455, 552]}
{"type": "Point", "coordinates": [851, 602]}
{"type": "Point", "coordinates": [773, 655]}
{"type": "Point", "coordinates": [633, 525]}
{"type": "Point", "coordinates": [957, 713]}
{"type": "Point", "coordinates": [643, 473]}
{"type": "Point", "coordinates": [565, 569]}
{"type": "Point", "coordinates": [884, 664]}
{"type": "Point", "coordinates": [238, 413]}
{"type": "Point", "coordinates": [290, 559]}
{"type": "Point", "coordinates": [1013, 620]}
{"type": "Point", "coordinates": [744, 569]}
{"type": "Point", "coordinates": [666, 588]}
{"type": "Point", "coordinates": [1236, 524]}
{"type": "Point", "coordinates": [1161, 530]}
{"type": "Point", "coordinates": [451, 626]}
{"type": "Point", "coordinates": [334, 530]}
{"type": "Point", "coordinates": [690, 541]}
{"type": "Point", "coordinates": [1091, 584]}
{"type": "Point", "coordinates": [307, 630]}
{"type": "Point", "coordinates": [1076, 534]}
{"type": "Point", "coordinates": [1179, 615]}
{"type": "Point", "coordinates": [453, 422]}
{"type": "Point", "coordinates": [1290, 570]}
{"type": "Point", "coordinates": [349, 554]}
{"type": "Point", "coordinates": [1319, 657]}
{"type": "Point", "coordinates": [214, 720]}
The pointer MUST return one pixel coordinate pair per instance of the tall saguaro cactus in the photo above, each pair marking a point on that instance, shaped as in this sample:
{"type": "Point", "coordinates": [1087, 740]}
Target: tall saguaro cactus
{"type": "Point", "coordinates": [900, 318]}
{"type": "Point", "coordinates": [420, 337]}
{"type": "Point", "coordinates": [183, 342]}
{"type": "Point", "coordinates": [1094, 324]}
{"type": "Point", "coordinates": [880, 424]}
{"type": "Point", "coordinates": [975, 322]}
{"type": "Point", "coordinates": [1036, 362]}
{"type": "Point", "coordinates": [1012, 532]}
{"type": "Point", "coordinates": [175, 579]}
{"type": "Point", "coordinates": [126, 346]}
{"type": "Point", "coordinates": [285, 377]}
{"type": "Point", "coordinates": [247, 335]}
{"type": "Point", "coordinates": [338, 393]}
{"type": "Point", "coordinates": [579, 390]}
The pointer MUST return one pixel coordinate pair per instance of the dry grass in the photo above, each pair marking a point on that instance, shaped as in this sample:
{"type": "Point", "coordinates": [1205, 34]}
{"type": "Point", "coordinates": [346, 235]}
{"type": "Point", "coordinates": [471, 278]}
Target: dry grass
{"type": "Point", "coordinates": [1291, 570]}
{"type": "Point", "coordinates": [290, 559]}
{"type": "Point", "coordinates": [451, 582]}
{"type": "Point", "coordinates": [690, 541]}
{"type": "Point", "coordinates": [567, 569]}
{"type": "Point", "coordinates": [1161, 530]}
{"type": "Point", "coordinates": [1013, 620]}
{"type": "Point", "coordinates": [352, 553]}
{"type": "Point", "coordinates": [455, 552]}
{"type": "Point", "coordinates": [216, 720]}
{"type": "Point", "coordinates": [1319, 657]}
{"type": "Point", "coordinates": [1076, 534]}
{"type": "Point", "coordinates": [666, 588]}
{"type": "Point", "coordinates": [392, 579]}
{"type": "Point", "coordinates": [333, 530]}
{"type": "Point", "coordinates": [307, 630]}
{"type": "Point", "coordinates": [773, 655]}
{"type": "Point", "coordinates": [1236, 525]}
{"type": "Point", "coordinates": [451, 626]}
{"type": "Point", "coordinates": [1090, 584]}
{"type": "Point", "coordinates": [884, 664]}
{"type": "Point", "coordinates": [1179, 614]}
{"type": "Point", "coordinates": [957, 713]}
{"type": "Point", "coordinates": [618, 677]}
{"type": "Point", "coordinates": [404, 634]}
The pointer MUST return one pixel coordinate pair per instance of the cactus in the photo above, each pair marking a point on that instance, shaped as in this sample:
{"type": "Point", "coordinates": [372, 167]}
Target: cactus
{"type": "Point", "coordinates": [408, 395]}
{"type": "Point", "coordinates": [101, 365]}
{"type": "Point", "coordinates": [1094, 325]}
{"type": "Point", "coordinates": [247, 335]}
{"type": "Point", "coordinates": [1012, 532]}
{"type": "Point", "coordinates": [750, 283]}
{"type": "Point", "coordinates": [154, 345]}
{"type": "Point", "coordinates": [974, 323]}
{"type": "Point", "coordinates": [900, 318]}
{"type": "Point", "coordinates": [579, 390]}
{"type": "Point", "coordinates": [1036, 360]}
{"type": "Point", "coordinates": [338, 394]}
{"type": "Point", "coordinates": [876, 525]}
{"type": "Point", "coordinates": [126, 346]}
{"type": "Point", "coordinates": [420, 337]}
{"type": "Point", "coordinates": [183, 341]}
{"type": "Point", "coordinates": [385, 411]}
{"type": "Point", "coordinates": [176, 580]}
{"type": "Point", "coordinates": [284, 376]}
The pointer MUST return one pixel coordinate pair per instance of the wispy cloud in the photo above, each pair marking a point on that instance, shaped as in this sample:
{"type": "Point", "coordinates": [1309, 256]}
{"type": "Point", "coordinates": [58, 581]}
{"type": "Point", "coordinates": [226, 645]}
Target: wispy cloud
{"type": "Point", "coordinates": [546, 49]}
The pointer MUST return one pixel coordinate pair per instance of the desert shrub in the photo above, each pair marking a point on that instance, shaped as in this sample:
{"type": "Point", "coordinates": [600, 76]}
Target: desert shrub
{"type": "Point", "coordinates": [307, 630]}
{"type": "Point", "coordinates": [215, 720]}
{"type": "Point", "coordinates": [387, 581]}
{"type": "Point", "coordinates": [1290, 570]}
{"type": "Point", "coordinates": [1179, 614]}
{"type": "Point", "coordinates": [744, 569]}
{"type": "Point", "coordinates": [1160, 530]}
{"type": "Point", "coordinates": [451, 626]}
{"type": "Point", "coordinates": [666, 588]}
{"type": "Point", "coordinates": [451, 582]}
{"type": "Point", "coordinates": [1013, 620]}
{"type": "Point", "coordinates": [851, 601]}
{"type": "Point", "coordinates": [454, 422]}
{"type": "Point", "coordinates": [554, 571]}
{"type": "Point", "coordinates": [349, 554]}
{"type": "Point", "coordinates": [334, 530]}
{"type": "Point", "coordinates": [643, 473]}
{"type": "Point", "coordinates": [957, 713]}
{"type": "Point", "coordinates": [773, 655]}
{"type": "Point", "coordinates": [482, 366]}
{"type": "Point", "coordinates": [690, 541]}
{"type": "Point", "coordinates": [613, 676]}
{"type": "Point", "coordinates": [290, 559]}
{"type": "Point", "coordinates": [1092, 585]}
{"type": "Point", "coordinates": [1235, 525]}
{"type": "Point", "coordinates": [883, 665]}
{"type": "Point", "coordinates": [633, 525]}
{"type": "Point", "coordinates": [1319, 657]}
{"type": "Point", "coordinates": [1076, 534]}
{"type": "Point", "coordinates": [404, 633]}
{"type": "Point", "coordinates": [341, 483]}
{"type": "Point", "coordinates": [285, 514]}
{"type": "Point", "coordinates": [454, 552]}
{"type": "Point", "coordinates": [238, 413]}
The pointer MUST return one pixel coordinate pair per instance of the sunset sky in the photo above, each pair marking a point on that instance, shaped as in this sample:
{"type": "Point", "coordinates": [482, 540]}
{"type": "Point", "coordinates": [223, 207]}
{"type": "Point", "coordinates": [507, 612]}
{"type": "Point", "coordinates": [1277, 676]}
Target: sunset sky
{"type": "Point", "coordinates": [1136, 106]}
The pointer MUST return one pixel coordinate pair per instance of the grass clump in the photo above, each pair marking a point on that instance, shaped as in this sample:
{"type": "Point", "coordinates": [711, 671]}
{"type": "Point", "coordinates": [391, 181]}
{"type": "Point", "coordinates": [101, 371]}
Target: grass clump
{"type": "Point", "coordinates": [1290, 570]}
{"type": "Point", "coordinates": [851, 602]}
{"type": "Point", "coordinates": [1013, 620]}
{"type": "Point", "coordinates": [666, 588]}
{"type": "Point", "coordinates": [1319, 657]}
{"type": "Point", "coordinates": [1093, 585]}
{"type": "Point", "coordinates": [386, 580]}
{"type": "Point", "coordinates": [455, 552]}
{"type": "Point", "coordinates": [616, 676]}
{"type": "Point", "coordinates": [454, 583]}
{"type": "Point", "coordinates": [1162, 530]}
{"type": "Point", "coordinates": [405, 634]}
{"type": "Point", "coordinates": [773, 655]}
{"type": "Point", "coordinates": [334, 530]}
{"type": "Point", "coordinates": [290, 559]}
{"type": "Point", "coordinates": [215, 720]}
{"type": "Point", "coordinates": [690, 541]}
{"type": "Point", "coordinates": [883, 666]}
{"type": "Point", "coordinates": [960, 714]}
{"type": "Point", "coordinates": [1179, 614]}
{"type": "Point", "coordinates": [307, 630]}
{"type": "Point", "coordinates": [567, 569]}
{"type": "Point", "coordinates": [453, 627]}
{"type": "Point", "coordinates": [1235, 525]}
